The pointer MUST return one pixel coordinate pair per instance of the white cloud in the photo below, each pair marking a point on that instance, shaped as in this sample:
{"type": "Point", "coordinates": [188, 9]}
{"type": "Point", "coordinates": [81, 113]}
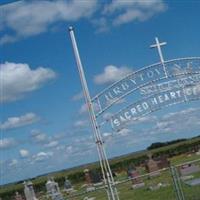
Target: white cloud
{"type": "Point", "coordinates": [18, 79]}
{"type": "Point", "coordinates": [107, 134]}
{"type": "Point", "coordinates": [116, 100]}
{"type": "Point", "coordinates": [111, 73]}
{"type": "Point", "coordinates": [29, 18]}
{"type": "Point", "coordinates": [144, 119]}
{"type": "Point", "coordinates": [38, 136]}
{"type": "Point", "coordinates": [186, 120]}
{"type": "Point", "coordinates": [24, 153]}
{"type": "Point", "coordinates": [7, 39]}
{"type": "Point", "coordinates": [78, 96]}
{"type": "Point", "coordinates": [13, 163]}
{"type": "Point", "coordinates": [123, 12]}
{"type": "Point", "coordinates": [60, 148]}
{"type": "Point", "coordinates": [44, 140]}
{"type": "Point", "coordinates": [181, 113]}
{"type": "Point", "coordinates": [124, 132]}
{"type": "Point", "coordinates": [16, 122]}
{"type": "Point", "coordinates": [127, 17]}
{"type": "Point", "coordinates": [107, 116]}
{"type": "Point", "coordinates": [84, 108]}
{"type": "Point", "coordinates": [101, 24]}
{"type": "Point", "coordinates": [41, 156]}
{"type": "Point", "coordinates": [7, 143]}
{"type": "Point", "coordinates": [52, 144]}
{"type": "Point", "coordinates": [81, 123]}
{"type": "Point", "coordinates": [69, 149]}
{"type": "Point", "coordinates": [117, 5]}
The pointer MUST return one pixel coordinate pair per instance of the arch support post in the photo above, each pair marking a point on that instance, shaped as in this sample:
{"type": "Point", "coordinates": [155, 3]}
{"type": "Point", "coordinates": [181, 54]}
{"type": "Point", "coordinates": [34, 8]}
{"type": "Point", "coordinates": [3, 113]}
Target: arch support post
{"type": "Point", "coordinates": [112, 193]}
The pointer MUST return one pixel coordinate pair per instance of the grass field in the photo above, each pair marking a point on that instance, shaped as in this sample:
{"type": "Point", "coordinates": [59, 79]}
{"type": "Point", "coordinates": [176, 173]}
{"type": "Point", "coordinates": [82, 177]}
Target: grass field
{"type": "Point", "coordinates": [163, 193]}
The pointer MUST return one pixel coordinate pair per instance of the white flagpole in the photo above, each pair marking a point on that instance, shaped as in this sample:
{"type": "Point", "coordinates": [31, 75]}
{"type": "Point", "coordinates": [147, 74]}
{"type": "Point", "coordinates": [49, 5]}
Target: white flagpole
{"type": "Point", "coordinates": [105, 167]}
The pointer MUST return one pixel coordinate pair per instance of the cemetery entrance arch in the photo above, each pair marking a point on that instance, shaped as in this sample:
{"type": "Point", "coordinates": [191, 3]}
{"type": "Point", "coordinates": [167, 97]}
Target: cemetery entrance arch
{"type": "Point", "coordinates": [157, 86]}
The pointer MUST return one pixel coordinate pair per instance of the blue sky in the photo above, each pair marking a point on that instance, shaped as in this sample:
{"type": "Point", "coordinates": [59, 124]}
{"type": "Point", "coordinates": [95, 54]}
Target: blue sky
{"type": "Point", "coordinates": [43, 120]}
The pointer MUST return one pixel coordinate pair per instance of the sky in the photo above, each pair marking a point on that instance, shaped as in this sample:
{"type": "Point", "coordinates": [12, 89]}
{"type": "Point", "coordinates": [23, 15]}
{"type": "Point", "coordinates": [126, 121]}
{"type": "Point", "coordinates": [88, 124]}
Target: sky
{"type": "Point", "coordinates": [43, 118]}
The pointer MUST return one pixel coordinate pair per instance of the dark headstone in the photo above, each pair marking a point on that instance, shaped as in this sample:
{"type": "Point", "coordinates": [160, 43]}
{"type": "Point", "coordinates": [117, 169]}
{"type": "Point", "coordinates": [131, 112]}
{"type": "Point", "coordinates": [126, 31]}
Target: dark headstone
{"type": "Point", "coordinates": [67, 184]}
{"type": "Point", "coordinates": [134, 175]}
{"type": "Point", "coordinates": [95, 176]}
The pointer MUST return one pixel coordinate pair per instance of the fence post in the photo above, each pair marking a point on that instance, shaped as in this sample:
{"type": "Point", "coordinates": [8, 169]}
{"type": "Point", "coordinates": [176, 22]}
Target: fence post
{"type": "Point", "coordinates": [177, 184]}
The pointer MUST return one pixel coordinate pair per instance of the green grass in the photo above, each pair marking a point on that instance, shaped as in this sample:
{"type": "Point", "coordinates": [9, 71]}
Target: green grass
{"type": "Point", "coordinates": [165, 193]}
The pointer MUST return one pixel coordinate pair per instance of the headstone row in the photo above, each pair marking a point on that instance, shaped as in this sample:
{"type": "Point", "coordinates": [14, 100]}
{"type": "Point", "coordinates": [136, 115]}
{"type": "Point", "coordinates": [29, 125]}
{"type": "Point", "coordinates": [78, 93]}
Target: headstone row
{"type": "Point", "coordinates": [52, 187]}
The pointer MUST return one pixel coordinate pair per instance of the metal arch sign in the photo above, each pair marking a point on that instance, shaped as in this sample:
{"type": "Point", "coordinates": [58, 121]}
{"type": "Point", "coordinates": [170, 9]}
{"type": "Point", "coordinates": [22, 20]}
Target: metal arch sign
{"type": "Point", "coordinates": [153, 103]}
{"type": "Point", "coordinates": [145, 76]}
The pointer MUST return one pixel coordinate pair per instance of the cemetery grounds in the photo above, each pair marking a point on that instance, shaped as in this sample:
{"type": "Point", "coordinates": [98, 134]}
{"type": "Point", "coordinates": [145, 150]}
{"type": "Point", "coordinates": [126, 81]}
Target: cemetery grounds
{"type": "Point", "coordinates": [156, 188]}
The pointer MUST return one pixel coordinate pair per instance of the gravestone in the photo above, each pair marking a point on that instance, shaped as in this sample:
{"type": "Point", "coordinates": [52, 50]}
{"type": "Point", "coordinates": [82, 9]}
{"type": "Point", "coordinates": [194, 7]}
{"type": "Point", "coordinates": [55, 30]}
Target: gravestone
{"type": "Point", "coordinates": [134, 175]}
{"type": "Point", "coordinates": [163, 162]}
{"type": "Point", "coordinates": [18, 196]}
{"type": "Point", "coordinates": [53, 190]}
{"type": "Point", "coordinates": [29, 191]}
{"type": "Point", "coordinates": [89, 198]}
{"type": "Point", "coordinates": [68, 186]}
{"type": "Point", "coordinates": [189, 169]}
{"type": "Point", "coordinates": [88, 180]}
{"type": "Point", "coordinates": [193, 182]}
{"type": "Point", "coordinates": [96, 177]}
{"type": "Point", "coordinates": [152, 167]}
{"type": "Point", "coordinates": [158, 186]}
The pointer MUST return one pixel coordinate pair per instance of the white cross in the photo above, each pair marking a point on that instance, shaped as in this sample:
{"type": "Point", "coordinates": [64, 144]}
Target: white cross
{"type": "Point", "coordinates": [158, 46]}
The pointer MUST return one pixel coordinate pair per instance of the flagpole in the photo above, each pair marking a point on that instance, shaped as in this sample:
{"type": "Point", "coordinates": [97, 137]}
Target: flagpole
{"type": "Point", "coordinates": [105, 167]}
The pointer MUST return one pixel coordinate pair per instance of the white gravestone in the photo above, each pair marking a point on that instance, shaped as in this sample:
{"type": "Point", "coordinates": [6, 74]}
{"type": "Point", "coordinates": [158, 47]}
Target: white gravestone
{"type": "Point", "coordinates": [29, 191]}
{"type": "Point", "coordinates": [18, 196]}
{"type": "Point", "coordinates": [53, 190]}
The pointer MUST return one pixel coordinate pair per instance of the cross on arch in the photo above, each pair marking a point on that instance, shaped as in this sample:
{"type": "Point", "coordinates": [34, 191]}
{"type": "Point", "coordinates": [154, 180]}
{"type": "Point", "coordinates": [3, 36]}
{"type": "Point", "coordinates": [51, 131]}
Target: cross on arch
{"type": "Point", "coordinates": [158, 45]}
